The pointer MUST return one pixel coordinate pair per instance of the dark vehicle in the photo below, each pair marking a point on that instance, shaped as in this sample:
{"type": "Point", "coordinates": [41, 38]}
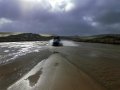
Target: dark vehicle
{"type": "Point", "coordinates": [56, 41]}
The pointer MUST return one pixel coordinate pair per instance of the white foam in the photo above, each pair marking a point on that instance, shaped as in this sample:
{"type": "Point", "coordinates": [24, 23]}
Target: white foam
{"type": "Point", "coordinates": [69, 43]}
{"type": "Point", "coordinates": [6, 51]}
{"type": "Point", "coordinates": [21, 48]}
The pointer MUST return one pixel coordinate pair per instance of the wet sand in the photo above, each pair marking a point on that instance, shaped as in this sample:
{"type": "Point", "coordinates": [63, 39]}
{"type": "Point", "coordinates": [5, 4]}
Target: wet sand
{"type": "Point", "coordinates": [56, 73]}
{"type": "Point", "coordinates": [84, 67]}
{"type": "Point", "coordinates": [100, 61]}
{"type": "Point", "coordinates": [13, 71]}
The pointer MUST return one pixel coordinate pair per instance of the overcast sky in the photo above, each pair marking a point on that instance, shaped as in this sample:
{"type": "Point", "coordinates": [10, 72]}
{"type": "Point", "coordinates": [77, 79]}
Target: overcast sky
{"type": "Point", "coordinates": [62, 17]}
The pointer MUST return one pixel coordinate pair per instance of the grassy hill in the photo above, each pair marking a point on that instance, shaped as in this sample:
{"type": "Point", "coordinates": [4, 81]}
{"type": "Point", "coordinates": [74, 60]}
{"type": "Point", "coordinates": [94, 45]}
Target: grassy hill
{"type": "Point", "coordinates": [10, 37]}
{"type": "Point", "coordinates": [4, 34]}
{"type": "Point", "coordinates": [16, 37]}
{"type": "Point", "coordinates": [105, 38]}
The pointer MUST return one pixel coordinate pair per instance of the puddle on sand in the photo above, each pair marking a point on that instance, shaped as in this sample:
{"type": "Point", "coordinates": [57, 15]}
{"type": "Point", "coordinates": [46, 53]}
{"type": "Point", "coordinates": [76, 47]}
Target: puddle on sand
{"type": "Point", "coordinates": [33, 79]}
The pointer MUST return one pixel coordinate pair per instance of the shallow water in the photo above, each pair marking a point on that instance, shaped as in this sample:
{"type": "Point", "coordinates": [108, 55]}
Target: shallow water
{"type": "Point", "coordinates": [12, 50]}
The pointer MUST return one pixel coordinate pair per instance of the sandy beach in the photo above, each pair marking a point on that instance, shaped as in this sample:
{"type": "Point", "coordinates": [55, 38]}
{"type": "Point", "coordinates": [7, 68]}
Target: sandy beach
{"type": "Point", "coordinates": [81, 66]}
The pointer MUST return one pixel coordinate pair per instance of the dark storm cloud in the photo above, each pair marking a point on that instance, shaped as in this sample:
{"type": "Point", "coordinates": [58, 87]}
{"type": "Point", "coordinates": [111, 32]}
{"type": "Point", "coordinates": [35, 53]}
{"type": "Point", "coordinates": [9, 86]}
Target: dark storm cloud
{"type": "Point", "coordinates": [110, 17]}
{"type": "Point", "coordinates": [87, 17]}
{"type": "Point", "coordinates": [9, 9]}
